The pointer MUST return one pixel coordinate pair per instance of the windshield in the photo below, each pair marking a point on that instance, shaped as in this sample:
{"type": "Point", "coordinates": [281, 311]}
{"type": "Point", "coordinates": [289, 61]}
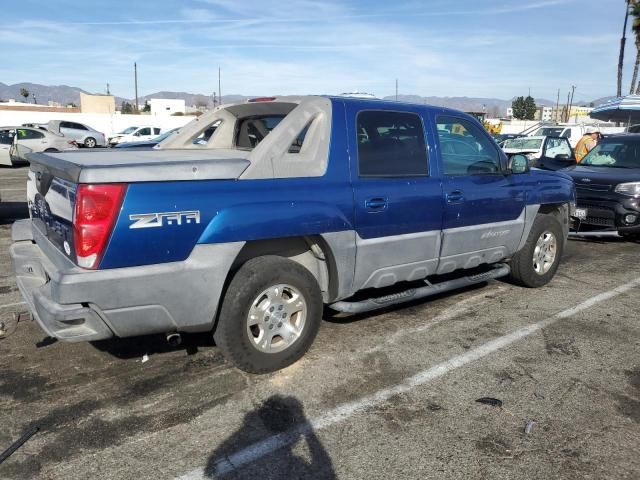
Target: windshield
{"type": "Point", "coordinates": [166, 134]}
{"type": "Point", "coordinates": [614, 154]}
{"type": "Point", "coordinates": [524, 143]}
{"type": "Point", "coordinates": [127, 131]}
{"type": "Point", "coordinates": [549, 131]}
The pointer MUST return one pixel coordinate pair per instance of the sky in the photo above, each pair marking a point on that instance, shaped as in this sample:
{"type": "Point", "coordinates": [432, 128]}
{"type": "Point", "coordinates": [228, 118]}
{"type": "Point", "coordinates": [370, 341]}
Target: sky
{"type": "Point", "coordinates": [475, 48]}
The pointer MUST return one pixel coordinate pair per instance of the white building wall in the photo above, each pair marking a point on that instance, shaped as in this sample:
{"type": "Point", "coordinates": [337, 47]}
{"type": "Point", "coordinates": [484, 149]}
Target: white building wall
{"type": "Point", "coordinates": [107, 124]}
{"type": "Point", "coordinates": [166, 106]}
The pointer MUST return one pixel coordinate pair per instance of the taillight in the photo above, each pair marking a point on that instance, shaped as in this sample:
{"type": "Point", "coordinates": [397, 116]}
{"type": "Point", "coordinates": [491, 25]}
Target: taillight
{"type": "Point", "coordinates": [97, 208]}
{"type": "Point", "coordinates": [261, 99]}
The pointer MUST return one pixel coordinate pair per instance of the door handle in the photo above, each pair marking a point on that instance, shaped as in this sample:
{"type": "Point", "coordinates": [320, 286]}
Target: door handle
{"type": "Point", "coordinates": [377, 203]}
{"type": "Point", "coordinates": [454, 197]}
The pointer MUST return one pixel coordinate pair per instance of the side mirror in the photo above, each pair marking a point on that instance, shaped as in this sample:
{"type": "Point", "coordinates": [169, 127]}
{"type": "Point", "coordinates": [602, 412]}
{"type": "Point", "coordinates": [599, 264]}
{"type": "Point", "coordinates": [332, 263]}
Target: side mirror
{"type": "Point", "coordinates": [137, 134]}
{"type": "Point", "coordinates": [519, 164]}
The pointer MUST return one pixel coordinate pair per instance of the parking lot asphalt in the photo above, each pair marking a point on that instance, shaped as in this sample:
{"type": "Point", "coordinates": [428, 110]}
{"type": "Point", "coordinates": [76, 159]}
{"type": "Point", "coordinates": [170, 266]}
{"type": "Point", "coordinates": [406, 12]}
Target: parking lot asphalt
{"type": "Point", "coordinates": [386, 395]}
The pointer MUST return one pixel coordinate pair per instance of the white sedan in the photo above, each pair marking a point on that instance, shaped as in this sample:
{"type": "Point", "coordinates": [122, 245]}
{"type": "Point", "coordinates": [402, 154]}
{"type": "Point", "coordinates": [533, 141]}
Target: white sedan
{"type": "Point", "coordinates": [134, 134]}
{"type": "Point", "coordinates": [17, 142]}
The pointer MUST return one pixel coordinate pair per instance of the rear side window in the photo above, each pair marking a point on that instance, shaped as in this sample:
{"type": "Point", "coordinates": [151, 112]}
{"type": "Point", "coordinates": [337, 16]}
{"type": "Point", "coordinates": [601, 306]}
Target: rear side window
{"type": "Point", "coordinates": [465, 147]}
{"type": "Point", "coordinates": [252, 130]}
{"type": "Point", "coordinates": [390, 144]}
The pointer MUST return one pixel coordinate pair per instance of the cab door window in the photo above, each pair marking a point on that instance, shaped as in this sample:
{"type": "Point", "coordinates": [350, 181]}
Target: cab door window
{"type": "Point", "coordinates": [465, 148]}
{"type": "Point", "coordinates": [390, 144]}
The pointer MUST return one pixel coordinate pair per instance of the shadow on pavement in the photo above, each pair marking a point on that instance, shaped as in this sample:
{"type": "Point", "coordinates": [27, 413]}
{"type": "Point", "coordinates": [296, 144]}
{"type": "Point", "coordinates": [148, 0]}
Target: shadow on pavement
{"type": "Point", "coordinates": [134, 347]}
{"type": "Point", "coordinates": [278, 424]}
{"type": "Point", "coordinates": [11, 211]}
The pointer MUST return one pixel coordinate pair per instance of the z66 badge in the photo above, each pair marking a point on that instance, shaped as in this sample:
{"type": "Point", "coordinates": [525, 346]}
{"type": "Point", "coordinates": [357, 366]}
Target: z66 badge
{"type": "Point", "coordinates": [149, 220]}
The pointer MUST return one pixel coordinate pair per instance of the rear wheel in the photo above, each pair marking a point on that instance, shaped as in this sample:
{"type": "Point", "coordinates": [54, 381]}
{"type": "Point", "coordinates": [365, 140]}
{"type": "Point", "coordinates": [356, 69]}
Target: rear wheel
{"type": "Point", "coordinates": [90, 142]}
{"type": "Point", "coordinates": [537, 261]}
{"type": "Point", "coordinates": [51, 150]}
{"type": "Point", "coordinates": [270, 315]}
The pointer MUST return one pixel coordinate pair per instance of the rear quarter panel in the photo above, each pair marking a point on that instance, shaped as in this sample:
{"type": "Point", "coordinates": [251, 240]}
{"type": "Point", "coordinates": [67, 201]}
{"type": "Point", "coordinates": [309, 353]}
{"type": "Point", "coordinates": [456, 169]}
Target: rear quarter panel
{"type": "Point", "coordinates": [235, 210]}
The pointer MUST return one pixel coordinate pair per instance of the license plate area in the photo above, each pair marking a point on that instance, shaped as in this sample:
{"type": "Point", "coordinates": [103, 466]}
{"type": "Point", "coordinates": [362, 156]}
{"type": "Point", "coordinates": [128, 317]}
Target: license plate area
{"type": "Point", "coordinates": [581, 213]}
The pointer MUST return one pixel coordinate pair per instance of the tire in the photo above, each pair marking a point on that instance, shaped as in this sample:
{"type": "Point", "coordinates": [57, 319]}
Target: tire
{"type": "Point", "coordinates": [529, 266]}
{"type": "Point", "coordinates": [90, 142]}
{"type": "Point", "coordinates": [51, 150]}
{"type": "Point", "coordinates": [249, 322]}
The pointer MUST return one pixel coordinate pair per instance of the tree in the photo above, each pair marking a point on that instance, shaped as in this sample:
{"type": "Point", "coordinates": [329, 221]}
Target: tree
{"type": "Point", "coordinates": [25, 93]}
{"type": "Point", "coordinates": [126, 108]}
{"type": "Point", "coordinates": [524, 108]}
{"type": "Point", "coordinates": [147, 106]}
{"type": "Point", "coordinates": [635, 26]}
{"type": "Point", "coordinates": [530, 108]}
{"type": "Point", "coordinates": [623, 40]}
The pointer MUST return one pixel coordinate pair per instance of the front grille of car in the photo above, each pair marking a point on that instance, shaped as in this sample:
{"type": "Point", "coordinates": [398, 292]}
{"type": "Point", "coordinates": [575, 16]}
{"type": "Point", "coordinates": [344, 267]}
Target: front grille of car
{"type": "Point", "coordinates": [592, 187]}
{"type": "Point", "coordinates": [600, 216]}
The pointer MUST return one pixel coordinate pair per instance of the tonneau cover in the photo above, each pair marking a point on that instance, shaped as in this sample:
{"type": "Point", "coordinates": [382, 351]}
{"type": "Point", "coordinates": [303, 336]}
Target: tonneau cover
{"type": "Point", "coordinates": [121, 165]}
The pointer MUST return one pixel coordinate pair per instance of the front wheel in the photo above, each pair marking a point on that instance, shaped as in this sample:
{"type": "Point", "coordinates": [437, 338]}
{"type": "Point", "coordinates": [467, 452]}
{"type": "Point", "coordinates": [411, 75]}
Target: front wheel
{"type": "Point", "coordinates": [270, 315]}
{"type": "Point", "coordinates": [535, 264]}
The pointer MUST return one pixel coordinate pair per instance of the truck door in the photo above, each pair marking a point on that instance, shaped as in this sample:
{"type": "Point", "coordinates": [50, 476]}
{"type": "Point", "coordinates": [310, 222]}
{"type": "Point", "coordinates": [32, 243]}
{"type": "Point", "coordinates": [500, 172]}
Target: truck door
{"type": "Point", "coordinates": [483, 217]}
{"type": "Point", "coordinates": [398, 202]}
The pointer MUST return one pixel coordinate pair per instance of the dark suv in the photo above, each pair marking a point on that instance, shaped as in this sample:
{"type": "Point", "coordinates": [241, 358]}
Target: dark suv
{"type": "Point", "coordinates": [608, 186]}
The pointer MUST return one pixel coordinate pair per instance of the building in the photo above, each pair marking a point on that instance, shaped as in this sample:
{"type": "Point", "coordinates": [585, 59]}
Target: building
{"type": "Point", "coordinates": [167, 106]}
{"type": "Point", "coordinates": [34, 107]}
{"type": "Point", "coordinates": [97, 103]}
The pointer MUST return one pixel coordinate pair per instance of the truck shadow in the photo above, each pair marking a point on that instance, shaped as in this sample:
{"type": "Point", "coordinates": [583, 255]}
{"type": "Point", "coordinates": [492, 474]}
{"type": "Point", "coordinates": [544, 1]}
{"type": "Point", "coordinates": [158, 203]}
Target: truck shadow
{"type": "Point", "coordinates": [12, 211]}
{"type": "Point", "coordinates": [265, 446]}
{"type": "Point", "coordinates": [136, 347]}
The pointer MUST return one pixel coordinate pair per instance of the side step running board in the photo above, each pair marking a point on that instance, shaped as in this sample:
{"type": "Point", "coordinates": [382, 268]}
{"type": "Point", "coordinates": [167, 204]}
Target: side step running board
{"type": "Point", "coordinates": [500, 270]}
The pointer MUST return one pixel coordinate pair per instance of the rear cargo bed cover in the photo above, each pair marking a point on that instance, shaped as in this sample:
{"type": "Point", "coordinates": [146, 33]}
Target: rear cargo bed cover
{"type": "Point", "coordinates": [110, 166]}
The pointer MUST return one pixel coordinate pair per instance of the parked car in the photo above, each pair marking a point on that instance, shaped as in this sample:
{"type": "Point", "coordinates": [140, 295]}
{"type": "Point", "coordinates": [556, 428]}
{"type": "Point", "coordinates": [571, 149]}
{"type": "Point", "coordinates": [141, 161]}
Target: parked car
{"type": "Point", "coordinates": [293, 203]}
{"type": "Point", "coordinates": [147, 144]}
{"type": "Point", "coordinates": [84, 135]}
{"type": "Point", "coordinates": [201, 139]}
{"type": "Point", "coordinates": [18, 142]}
{"type": "Point", "coordinates": [134, 134]}
{"type": "Point", "coordinates": [6, 144]}
{"type": "Point", "coordinates": [547, 153]}
{"type": "Point", "coordinates": [608, 186]}
{"type": "Point", "coordinates": [500, 138]}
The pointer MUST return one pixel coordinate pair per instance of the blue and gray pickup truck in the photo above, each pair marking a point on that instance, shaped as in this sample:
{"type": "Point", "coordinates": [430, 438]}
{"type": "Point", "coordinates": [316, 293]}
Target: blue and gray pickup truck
{"type": "Point", "coordinates": [291, 205]}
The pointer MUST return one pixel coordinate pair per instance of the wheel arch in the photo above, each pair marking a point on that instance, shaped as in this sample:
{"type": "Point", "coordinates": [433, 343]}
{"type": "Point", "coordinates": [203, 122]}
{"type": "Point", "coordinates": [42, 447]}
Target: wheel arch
{"type": "Point", "coordinates": [561, 212]}
{"type": "Point", "coordinates": [312, 252]}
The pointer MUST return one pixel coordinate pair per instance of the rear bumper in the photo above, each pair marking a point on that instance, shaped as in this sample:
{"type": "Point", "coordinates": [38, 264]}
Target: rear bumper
{"type": "Point", "coordinates": [74, 304]}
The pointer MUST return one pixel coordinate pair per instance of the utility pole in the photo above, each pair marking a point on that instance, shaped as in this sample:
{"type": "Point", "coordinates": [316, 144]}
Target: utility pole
{"type": "Point", "coordinates": [573, 89]}
{"type": "Point", "coordinates": [108, 92]}
{"type": "Point", "coordinates": [135, 78]}
{"type": "Point", "coordinates": [557, 105]}
{"type": "Point", "coordinates": [565, 113]}
{"type": "Point", "coordinates": [219, 86]}
{"type": "Point", "coordinates": [396, 89]}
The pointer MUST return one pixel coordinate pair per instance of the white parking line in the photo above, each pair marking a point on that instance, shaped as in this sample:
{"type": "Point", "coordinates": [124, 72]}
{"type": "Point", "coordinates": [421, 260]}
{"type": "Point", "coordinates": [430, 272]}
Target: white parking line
{"type": "Point", "coordinates": [342, 412]}
{"type": "Point", "coordinates": [13, 304]}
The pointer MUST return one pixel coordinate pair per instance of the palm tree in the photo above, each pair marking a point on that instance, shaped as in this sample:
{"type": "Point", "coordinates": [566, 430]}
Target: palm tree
{"type": "Point", "coordinates": [635, 26]}
{"type": "Point", "coordinates": [623, 40]}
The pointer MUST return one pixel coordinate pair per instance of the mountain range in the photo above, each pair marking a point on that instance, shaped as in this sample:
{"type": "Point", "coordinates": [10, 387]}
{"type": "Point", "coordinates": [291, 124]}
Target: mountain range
{"type": "Point", "coordinates": [65, 94]}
